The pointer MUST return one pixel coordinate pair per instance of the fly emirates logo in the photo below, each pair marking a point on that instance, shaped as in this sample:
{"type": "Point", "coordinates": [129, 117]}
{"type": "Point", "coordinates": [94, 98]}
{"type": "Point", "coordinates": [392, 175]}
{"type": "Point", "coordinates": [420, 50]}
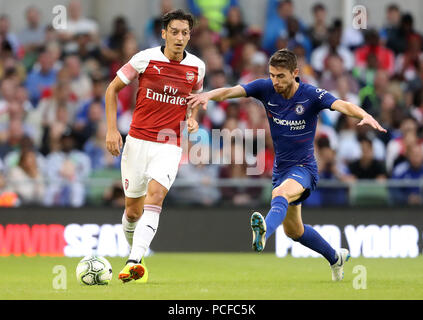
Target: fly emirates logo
{"type": "Point", "coordinates": [167, 96]}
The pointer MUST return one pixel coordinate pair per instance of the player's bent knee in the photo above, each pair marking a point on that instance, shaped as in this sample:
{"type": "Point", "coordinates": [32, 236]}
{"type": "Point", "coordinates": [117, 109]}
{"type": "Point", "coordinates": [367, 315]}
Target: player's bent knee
{"type": "Point", "coordinates": [156, 197]}
{"type": "Point", "coordinates": [293, 232]}
{"type": "Point", "coordinates": [133, 213]}
{"type": "Point", "coordinates": [280, 192]}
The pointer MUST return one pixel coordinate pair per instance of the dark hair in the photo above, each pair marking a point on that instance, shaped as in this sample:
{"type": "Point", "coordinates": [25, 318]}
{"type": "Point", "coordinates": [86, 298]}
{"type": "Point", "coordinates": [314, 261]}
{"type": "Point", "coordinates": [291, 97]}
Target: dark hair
{"type": "Point", "coordinates": [392, 7]}
{"type": "Point", "coordinates": [318, 6]}
{"type": "Point", "coordinates": [178, 14]}
{"type": "Point", "coordinates": [366, 139]}
{"type": "Point", "coordinates": [284, 58]}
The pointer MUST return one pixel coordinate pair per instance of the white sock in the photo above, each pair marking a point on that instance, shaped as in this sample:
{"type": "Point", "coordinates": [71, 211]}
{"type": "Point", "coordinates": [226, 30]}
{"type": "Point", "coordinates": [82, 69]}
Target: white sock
{"type": "Point", "coordinates": [144, 232]}
{"type": "Point", "coordinates": [128, 228]}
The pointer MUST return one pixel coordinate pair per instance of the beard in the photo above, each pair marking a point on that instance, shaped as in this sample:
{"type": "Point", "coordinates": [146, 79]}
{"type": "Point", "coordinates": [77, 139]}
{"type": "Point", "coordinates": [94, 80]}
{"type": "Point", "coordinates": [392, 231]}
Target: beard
{"type": "Point", "coordinates": [284, 91]}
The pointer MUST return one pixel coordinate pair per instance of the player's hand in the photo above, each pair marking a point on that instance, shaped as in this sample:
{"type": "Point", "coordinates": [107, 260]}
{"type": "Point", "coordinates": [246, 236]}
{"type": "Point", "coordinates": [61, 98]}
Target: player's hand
{"type": "Point", "coordinates": [192, 125]}
{"type": "Point", "coordinates": [369, 120]}
{"type": "Point", "coordinates": [114, 142]}
{"type": "Point", "coordinates": [196, 100]}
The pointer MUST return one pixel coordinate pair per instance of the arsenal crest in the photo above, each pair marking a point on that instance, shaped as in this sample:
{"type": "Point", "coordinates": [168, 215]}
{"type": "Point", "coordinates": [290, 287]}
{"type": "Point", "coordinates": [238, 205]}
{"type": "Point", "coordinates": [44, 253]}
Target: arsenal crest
{"type": "Point", "coordinates": [190, 76]}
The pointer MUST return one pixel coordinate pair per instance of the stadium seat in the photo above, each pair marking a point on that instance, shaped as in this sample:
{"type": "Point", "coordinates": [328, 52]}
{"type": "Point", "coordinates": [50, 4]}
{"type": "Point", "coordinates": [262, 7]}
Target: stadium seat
{"type": "Point", "coordinates": [98, 182]}
{"type": "Point", "coordinates": [369, 194]}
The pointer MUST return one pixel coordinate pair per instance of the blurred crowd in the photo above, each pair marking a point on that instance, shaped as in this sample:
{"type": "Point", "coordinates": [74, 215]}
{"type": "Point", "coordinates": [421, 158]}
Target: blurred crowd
{"type": "Point", "coordinates": [52, 109]}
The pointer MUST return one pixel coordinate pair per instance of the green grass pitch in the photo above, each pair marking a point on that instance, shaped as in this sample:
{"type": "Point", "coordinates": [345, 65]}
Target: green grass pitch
{"type": "Point", "coordinates": [218, 276]}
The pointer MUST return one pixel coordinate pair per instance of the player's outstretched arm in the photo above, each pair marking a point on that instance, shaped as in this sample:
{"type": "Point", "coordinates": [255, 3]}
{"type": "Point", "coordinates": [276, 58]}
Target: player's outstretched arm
{"type": "Point", "coordinates": [113, 137]}
{"type": "Point", "coordinates": [355, 111]}
{"type": "Point", "coordinates": [201, 99]}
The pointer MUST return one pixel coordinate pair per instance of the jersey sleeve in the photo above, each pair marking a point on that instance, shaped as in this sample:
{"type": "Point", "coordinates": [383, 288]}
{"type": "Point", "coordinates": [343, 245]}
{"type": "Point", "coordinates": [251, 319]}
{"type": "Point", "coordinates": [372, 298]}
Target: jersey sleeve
{"type": "Point", "coordinates": [256, 88]}
{"type": "Point", "coordinates": [198, 87]}
{"type": "Point", "coordinates": [136, 65]}
{"type": "Point", "coordinates": [323, 99]}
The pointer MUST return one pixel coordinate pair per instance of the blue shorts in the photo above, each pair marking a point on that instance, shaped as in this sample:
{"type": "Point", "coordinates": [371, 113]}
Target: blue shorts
{"type": "Point", "coordinates": [304, 175]}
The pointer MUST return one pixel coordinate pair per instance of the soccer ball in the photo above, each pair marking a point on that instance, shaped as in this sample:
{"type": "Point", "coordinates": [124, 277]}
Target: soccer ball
{"type": "Point", "coordinates": [93, 270]}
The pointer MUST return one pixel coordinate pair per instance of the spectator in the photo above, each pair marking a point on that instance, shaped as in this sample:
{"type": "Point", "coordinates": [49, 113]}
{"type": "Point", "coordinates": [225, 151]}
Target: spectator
{"type": "Point", "coordinates": [26, 144]}
{"type": "Point", "coordinates": [154, 38]}
{"type": "Point", "coordinates": [367, 167]}
{"type": "Point", "coordinates": [152, 30]}
{"type": "Point", "coordinates": [343, 90]}
{"type": "Point", "coordinates": [67, 171]}
{"type": "Point", "coordinates": [10, 66]}
{"type": "Point", "coordinates": [411, 169]}
{"type": "Point", "coordinates": [398, 40]}
{"type": "Point", "coordinates": [33, 36]}
{"type": "Point", "coordinates": [333, 45]}
{"type": "Point", "coordinates": [306, 72]}
{"type": "Point", "coordinates": [96, 95]}
{"type": "Point", "coordinates": [335, 70]}
{"type": "Point", "coordinates": [388, 111]}
{"type": "Point", "coordinates": [408, 63]}
{"type": "Point", "coordinates": [8, 89]}
{"type": "Point", "coordinates": [329, 169]}
{"type": "Point", "coordinates": [278, 11]}
{"type": "Point", "coordinates": [114, 195]}
{"type": "Point", "coordinates": [215, 12]}
{"type": "Point", "coordinates": [393, 18]}
{"type": "Point", "coordinates": [6, 35]}
{"type": "Point", "coordinates": [95, 149]}
{"type": "Point", "coordinates": [348, 143]}
{"type": "Point", "coordinates": [397, 147]}
{"type": "Point", "coordinates": [86, 130]}
{"type": "Point", "coordinates": [14, 134]}
{"type": "Point", "coordinates": [296, 37]}
{"type": "Point", "coordinates": [351, 38]}
{"type": "Point", "coordinates": [256, 68]}
{"type": "Point", "coordinates": [42, 79]}
{"type": "Point", "coordinates": [371, 95]}
{"type": "Point", "coordinates": [234, 25]}
{"type": "Point", "coordinates": [77, 23]}
{"type": "Point", "coordinates": [26, 179]}
{"type": "Point", "coordinates": [319, 29]}
{"type": "Point", "coordinates": [384, 56]}
{"type": "Point", "coordinates": [80, 82]}
{"type": "Point", "coordinates": [60, 103]}
{"type": "Point", "coordinates": [114, 42]}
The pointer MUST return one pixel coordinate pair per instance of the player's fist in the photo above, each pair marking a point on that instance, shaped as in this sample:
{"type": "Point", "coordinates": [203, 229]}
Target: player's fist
{"type": "Point", "coordinates": [114, 142]}
{"type": "Point", "coordinates": [192, 125]}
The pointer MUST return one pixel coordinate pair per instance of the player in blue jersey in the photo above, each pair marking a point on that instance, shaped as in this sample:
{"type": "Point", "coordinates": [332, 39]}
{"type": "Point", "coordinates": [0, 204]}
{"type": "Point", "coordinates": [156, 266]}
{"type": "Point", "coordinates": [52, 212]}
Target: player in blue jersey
{"type": "Point", "coordinates": [292, 109]}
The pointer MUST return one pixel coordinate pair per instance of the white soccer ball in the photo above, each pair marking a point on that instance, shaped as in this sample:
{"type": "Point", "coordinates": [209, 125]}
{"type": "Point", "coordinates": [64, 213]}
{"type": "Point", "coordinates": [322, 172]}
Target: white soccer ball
{"type": "Point", "coordinates": [92, 270]}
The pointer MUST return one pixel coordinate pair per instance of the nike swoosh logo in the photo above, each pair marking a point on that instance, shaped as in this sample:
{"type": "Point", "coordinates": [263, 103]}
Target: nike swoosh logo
{"type": "Point", "coordinates": [295, 175]}
{"type": "Point", "coordinates": [273, 105]}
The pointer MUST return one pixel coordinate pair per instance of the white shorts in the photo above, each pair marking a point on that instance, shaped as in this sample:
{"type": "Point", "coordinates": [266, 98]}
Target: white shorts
{"type": "Point", "coordinates": [144, 160]}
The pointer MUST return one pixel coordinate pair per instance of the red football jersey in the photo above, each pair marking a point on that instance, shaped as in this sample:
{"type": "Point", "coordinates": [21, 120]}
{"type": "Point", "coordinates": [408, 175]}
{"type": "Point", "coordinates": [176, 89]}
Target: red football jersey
{"type": "Point", "coordinates": [161, 102]}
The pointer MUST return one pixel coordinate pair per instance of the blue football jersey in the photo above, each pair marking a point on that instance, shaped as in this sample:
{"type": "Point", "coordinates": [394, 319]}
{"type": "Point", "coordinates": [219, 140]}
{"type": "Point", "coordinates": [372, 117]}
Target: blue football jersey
{"type": "Point", "coordinates": [292, 121]}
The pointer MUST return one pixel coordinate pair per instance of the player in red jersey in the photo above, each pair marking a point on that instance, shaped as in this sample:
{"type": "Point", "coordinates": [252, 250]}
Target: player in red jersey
{"type": "Point", "coordinates": [152, 152]}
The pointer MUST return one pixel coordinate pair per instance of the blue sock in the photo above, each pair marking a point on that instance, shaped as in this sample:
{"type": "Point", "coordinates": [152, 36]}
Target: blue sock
{"type": "Point", "coordinates": [276, 215]}
{"type": "Point", "coordinates": [313, 240]}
